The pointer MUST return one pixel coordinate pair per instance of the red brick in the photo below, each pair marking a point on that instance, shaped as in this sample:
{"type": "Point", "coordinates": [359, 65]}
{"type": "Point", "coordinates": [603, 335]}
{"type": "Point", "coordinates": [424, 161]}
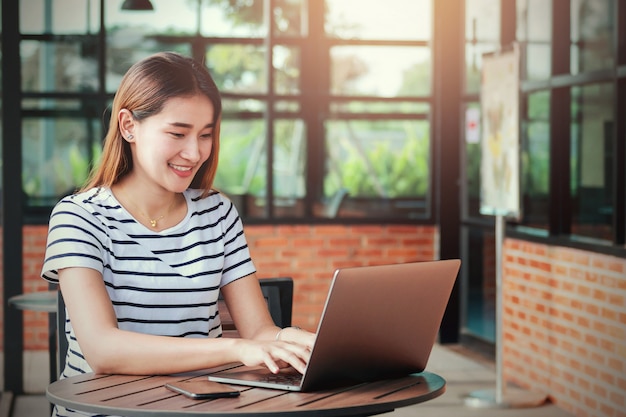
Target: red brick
{"type": "Point", "coordinates": [618, 398]}
{"type": "Point", "coordinates": [616, 300]}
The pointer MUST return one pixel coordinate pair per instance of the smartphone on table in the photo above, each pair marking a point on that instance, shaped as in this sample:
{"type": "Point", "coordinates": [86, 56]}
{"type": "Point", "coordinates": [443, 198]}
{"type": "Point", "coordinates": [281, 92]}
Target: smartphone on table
{"type": "Point", "coordinates": [202, 389]}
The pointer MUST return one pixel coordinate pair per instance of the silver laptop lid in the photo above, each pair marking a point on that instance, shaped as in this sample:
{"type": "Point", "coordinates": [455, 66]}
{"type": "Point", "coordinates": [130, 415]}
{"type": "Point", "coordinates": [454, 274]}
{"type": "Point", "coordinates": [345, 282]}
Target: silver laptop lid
{"type": "Point", "coordinates": [380, 321]}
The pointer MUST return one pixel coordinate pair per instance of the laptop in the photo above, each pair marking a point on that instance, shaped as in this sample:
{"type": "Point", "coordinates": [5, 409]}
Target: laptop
{"type": "Point", "coordinates": [378, 322]}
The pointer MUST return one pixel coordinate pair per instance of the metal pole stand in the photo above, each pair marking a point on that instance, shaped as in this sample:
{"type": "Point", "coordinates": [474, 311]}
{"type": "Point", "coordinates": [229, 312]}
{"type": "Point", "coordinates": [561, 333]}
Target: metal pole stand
{"type": "Point", "coordinates": [501, 397]}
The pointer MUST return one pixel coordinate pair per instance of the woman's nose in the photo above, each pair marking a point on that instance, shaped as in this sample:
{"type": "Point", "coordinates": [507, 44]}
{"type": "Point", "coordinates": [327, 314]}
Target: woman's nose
{"type": "Point", "coordinates": [191, 151]}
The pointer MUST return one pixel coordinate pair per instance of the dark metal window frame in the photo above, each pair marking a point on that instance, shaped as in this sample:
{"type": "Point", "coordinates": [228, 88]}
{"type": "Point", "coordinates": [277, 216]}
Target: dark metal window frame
{"type": "Point", "coordinates": [314, 107]}
{"type": "Point", "coordinates": [559, 84]}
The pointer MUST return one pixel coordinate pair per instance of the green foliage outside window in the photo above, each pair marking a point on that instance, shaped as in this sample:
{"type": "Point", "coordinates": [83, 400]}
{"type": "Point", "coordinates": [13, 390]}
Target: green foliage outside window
{"type": "Point", "coordinates": [536, 146]}
{"type": "Point", "coordinates": [390, 162]}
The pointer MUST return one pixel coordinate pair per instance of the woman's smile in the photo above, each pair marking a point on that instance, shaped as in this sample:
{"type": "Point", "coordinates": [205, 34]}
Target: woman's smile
{"type": "Point", "coordinates": [182, 171]}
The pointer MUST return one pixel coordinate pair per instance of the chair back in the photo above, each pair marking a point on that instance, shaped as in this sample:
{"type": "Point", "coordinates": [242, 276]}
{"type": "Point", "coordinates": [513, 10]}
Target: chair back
{"type": "Point", "coordinates": [61, 337]}
{"type": "Point", "coordinates": [278, 293]}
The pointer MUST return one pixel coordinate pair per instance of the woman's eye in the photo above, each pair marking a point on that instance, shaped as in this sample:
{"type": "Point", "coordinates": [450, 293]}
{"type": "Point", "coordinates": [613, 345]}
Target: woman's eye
{"type": "Point", "coordinates": [177, 135]}
{"type": "Point", "coordinates": [207, 136]}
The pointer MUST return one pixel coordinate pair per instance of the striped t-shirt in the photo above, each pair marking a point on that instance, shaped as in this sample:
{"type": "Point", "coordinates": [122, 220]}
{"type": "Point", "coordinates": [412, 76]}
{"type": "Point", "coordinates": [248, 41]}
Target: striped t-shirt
{"type": "Point", "coordinates": [161, 283]}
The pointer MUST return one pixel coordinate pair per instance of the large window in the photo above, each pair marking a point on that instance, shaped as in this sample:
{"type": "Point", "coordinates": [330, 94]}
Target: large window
{"type": "Point", "coordinates": [327, 105]}
{"type": "Point", "coordinates": [377, 117]}
{"type": "Point", "coordinates": [572, 134]}
{"type": "Point", "coordinates": [592, 34]}
{"type": "Point", "coordinates": [570, 140]}
{"type": "Point", "coordinates": [61, 110]}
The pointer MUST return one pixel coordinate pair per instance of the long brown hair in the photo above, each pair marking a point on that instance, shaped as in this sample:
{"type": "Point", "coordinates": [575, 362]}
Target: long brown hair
{"type": "Point", "coordinates": [145, 88]}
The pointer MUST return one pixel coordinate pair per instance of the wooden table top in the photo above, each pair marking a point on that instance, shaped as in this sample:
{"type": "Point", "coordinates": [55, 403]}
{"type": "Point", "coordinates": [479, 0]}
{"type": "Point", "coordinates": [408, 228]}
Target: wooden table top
{"type": "Point", "coordinates": [142, 396]}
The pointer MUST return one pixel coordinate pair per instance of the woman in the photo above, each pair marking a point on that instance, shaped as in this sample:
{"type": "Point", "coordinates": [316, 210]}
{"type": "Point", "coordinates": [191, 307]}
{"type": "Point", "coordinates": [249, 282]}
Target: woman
{"type": "Point", "coordinates": [141, 252]}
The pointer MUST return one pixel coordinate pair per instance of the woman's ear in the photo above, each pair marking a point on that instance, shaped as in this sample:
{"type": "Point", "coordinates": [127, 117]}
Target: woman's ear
{"type": "Point", "coordinates": [126, 124]}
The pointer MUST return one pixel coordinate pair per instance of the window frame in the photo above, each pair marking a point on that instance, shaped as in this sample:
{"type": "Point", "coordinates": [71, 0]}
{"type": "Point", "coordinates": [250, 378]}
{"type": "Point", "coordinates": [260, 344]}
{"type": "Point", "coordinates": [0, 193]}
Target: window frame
{"type": "Point", "coordinates": [314, 109]}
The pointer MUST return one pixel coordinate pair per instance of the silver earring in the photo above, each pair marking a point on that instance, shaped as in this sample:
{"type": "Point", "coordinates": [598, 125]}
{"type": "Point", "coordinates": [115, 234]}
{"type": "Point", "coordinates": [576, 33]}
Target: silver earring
{"type": "Point", "coordinates": [130, 137]}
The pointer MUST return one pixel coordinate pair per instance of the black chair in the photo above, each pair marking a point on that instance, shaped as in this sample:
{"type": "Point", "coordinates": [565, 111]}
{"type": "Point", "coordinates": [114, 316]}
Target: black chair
{"type": "Point", "coordinates": [278, 293]}
{"type": "Point", "coordinates": [60, 331]}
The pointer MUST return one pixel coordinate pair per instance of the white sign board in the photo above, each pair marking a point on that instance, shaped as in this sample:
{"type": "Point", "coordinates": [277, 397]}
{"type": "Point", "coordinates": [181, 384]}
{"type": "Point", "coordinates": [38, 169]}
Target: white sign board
{"type": "Point", "coordinates": [500, 150]}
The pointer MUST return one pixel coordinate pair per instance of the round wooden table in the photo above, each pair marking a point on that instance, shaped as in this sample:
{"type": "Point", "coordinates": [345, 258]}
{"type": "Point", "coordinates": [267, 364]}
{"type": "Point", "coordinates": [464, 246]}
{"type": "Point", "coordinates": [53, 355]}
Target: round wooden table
{"type": "Point", "coordinates": [141, 396]}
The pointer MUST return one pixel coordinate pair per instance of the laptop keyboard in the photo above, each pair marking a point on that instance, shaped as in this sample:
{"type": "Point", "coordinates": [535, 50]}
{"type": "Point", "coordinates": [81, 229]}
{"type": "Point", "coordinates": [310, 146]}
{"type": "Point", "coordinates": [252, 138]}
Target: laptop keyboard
{"type": "Point", "coordinates": [285, 378]}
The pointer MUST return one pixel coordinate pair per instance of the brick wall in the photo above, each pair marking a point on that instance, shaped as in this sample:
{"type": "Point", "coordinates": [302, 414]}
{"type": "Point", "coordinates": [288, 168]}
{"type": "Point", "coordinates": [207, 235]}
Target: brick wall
{"type": "Point", "coordinates": [310, 254]}
{"type": "Point", "coordinates": [564, 309]}
{"type": "Point", "coordinates": [307, 253]}
{"type": "Point", "coordinates": [564, 326]}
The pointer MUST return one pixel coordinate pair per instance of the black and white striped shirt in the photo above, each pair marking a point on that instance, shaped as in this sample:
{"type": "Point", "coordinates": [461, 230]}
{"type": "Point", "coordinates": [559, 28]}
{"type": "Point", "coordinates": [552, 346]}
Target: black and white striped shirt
{"type": "Point", "coordinates": [161, 283]}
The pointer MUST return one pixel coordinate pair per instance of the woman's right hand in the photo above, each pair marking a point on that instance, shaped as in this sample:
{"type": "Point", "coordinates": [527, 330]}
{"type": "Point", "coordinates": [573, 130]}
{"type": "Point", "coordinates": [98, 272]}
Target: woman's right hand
{"type": "Point", "coordinates": [274, 355]}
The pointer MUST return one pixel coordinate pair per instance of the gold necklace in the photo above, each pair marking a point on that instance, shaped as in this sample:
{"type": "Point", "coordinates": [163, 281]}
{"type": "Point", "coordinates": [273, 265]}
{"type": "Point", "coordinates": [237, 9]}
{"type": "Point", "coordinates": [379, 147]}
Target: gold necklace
{"type": "Point", "coordinates": [153, 222]}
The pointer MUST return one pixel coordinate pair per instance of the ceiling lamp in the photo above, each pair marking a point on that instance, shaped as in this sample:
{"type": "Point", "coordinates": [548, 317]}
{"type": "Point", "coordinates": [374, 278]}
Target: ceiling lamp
{"type": "Point", "coordinates": [137, 5]}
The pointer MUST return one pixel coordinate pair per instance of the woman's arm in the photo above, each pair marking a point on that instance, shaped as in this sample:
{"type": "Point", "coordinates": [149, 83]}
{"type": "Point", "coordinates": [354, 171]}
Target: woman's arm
{"type": "Point", "coordinates": [108, 349]}
{"type": "Point", "coordinates": [248, 308]}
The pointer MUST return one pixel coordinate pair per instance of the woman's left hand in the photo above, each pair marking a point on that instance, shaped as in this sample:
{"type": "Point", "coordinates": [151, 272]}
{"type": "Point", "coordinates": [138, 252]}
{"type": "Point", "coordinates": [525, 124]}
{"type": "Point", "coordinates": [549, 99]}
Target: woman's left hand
{"type": "Point", "coordinates": [296, 335]}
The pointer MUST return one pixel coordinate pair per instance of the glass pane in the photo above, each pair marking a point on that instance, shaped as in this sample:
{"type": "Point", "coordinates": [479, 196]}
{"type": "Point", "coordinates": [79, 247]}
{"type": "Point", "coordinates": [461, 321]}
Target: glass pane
{"type": "Point", "coordinates": [243, 162]}
{"type": "Point", "coordinates": [173, 17]}
{"type": "Point", "coordinates": [127, 46]}
{"type": "Point", "coordinates": [474, 64]}
{"type": "Point", "coordinates": [534, 29]}
{"type": "Point", "coordinates": [482, 35]}
{"type": "Point", "coordinates": [534, 20]}
{"type": "Point", "coordinates": [592, 34]}
{"type": "Point", "coordinates": [384, 71]}
{"type": "Point", "coordinates": [243, 166]}
{"type": "Point", "coordinates": [592, 160]}
{"type": "Point", "coordinates": [56, 156]}
{"type": "Point", "coordinates": [290, 17]}
{"type": "Point", "coordinates": [473, 158]}
{"type": "Point", "coordinates": [535, 163]}
{"type": "Point", "coordinates": [59, 66]}
{"type": "Point", "coordinates": [217, 18]}
{"type": "Point", "coordinates": [238, 68]}
{"type": "Point", "coordinates": [478, 316]}
{"type": "Point", "coordinates": [289, 158]}
{"type": "Point", "coordinates": [377, 162]}
{"type": "Point", "coordinates": [227, 18]}
{"type": "Point", "coordinates": [387, 20]}
{"type": "Point", "coordinates": [482, 20]}
{"type": "Point", "coordinates": [538, 62]}
{"type": "Point", "coordinates": [286, 63]}
{"type": "Point", "coordinates": [60, 16]}
{"type": "Point", "coordinates": [289, 167]}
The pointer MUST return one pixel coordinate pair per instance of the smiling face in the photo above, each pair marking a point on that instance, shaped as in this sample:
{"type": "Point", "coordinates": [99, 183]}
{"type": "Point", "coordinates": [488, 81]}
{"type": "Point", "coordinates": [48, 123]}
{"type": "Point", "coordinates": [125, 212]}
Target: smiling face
{"type": "Point", "coordinates": [169, 147]}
